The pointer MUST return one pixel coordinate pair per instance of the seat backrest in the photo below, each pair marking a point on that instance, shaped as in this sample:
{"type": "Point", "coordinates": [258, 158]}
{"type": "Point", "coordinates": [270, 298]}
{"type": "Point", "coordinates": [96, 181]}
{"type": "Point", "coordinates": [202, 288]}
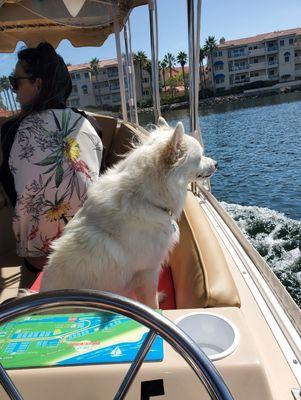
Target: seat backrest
{"type": "Point", "coordinates": [121, 142]}
{"type": "Point", "coordinates": [199, 268]}
{"type": "Point", "coordinates": [108, 127]}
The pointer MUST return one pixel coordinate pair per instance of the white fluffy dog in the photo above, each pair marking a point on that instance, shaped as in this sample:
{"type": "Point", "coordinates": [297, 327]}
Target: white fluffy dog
{"type": "Point", "coordinates": [123, 233]}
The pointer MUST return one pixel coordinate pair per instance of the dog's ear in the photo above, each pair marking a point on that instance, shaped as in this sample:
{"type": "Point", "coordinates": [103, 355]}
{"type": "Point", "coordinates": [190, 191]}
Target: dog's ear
{"type": "Point", "coordinates": [177, 136]}
{"type": "Point", "coordinates": [162, 123]}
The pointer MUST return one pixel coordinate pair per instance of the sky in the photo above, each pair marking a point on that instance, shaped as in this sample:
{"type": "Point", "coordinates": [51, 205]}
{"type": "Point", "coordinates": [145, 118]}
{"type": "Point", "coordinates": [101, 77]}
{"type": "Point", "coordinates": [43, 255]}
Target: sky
{"type": "Point", "coordinates": [232, 19]}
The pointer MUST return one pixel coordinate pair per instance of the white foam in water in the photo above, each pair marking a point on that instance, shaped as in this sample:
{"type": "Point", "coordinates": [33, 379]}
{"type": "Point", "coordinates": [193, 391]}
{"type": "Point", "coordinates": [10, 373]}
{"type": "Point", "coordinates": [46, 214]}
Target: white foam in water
{"type": "Point", "coordinates": [277, 238]}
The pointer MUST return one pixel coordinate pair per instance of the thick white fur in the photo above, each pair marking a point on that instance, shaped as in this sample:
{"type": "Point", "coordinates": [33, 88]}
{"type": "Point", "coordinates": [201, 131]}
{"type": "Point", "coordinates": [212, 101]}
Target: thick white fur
{"type": "Point", "coordinates": [121, 236]}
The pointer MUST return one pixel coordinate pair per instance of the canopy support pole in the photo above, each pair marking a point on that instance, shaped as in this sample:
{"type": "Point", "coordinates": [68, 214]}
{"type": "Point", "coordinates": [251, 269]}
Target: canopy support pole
{"type": "Point", "coordinates": [153, 26]}
{"type": "Point", "coordinates": [194, 28]}
{"type": "Point", "coordinates": [130, 73]}
{"type": "Point", "coordinates": [120, 72]}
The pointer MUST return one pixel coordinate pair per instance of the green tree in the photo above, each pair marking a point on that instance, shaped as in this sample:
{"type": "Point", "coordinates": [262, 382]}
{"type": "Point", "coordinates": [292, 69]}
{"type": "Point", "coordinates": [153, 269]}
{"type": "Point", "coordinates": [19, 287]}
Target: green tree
{"type": "Point", "coordinates": [148, 68]}
{"type": "Point", "coordinates": [182, 60]}
{"type": "Point", "coordinates": [210, 47]}
{"type": "Point", "coordinates": [5, 85]}
{"type": "Point", "coordinates": [140, 59]}
{"type": "Point", "coordinates": [94, 65]}
{"type": "Point", "coordinates": [163, 66]}
{"type": "Point", "coordinates": [170, 61]}
{"type": "Point", "coordinates": [202, 74]}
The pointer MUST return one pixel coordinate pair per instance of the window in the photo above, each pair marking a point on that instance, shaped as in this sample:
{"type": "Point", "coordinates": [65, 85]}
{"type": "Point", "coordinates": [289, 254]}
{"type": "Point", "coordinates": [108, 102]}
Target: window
{"type": "Point", "coordinates": [114, 85]}
{"type": "Point", "coordinates": [77, 76]}
{"type": "Point", "coordinates": [215, 54]}
{"type": "Point", "coordinates": [218, 67]}
{"type": "Point", "coordinates": [255, 61]}
{"type": "Point", "coordinates": [220, 53]}
{"type": "Point", "coordinates": [286, 56]}
{"type": "Point", "coordinates": [106, 99]}
{"type": "Point", "coordinates": [145, 80]}
{"type": "Point", "coordinates": [281, 42]}
{"type": "Point", "coordinates": [87, 75]}
{"type": "Point", "coordinates": [74, 89]}
{"type": "Point", "coordinates": [291, 41]}
{"type": "Point", "coordinates": [116, 98]}
{"type": "Point", "coordinates": [219, 80]}
{"type": "Point", "coordinates": [74, 103]}
{"type": "Point", "coordinates": [72, 76]}
{"type": "Point", "coordinates": [271, 72]}
{"type": "Point", "coordinates": [253, 74]}
{"type": "Point", "coordinates": [85, 89]}
{"type": "Point", "coordinates": [145, 92]}
{"type": "Point", "coordinates": [112, 71]}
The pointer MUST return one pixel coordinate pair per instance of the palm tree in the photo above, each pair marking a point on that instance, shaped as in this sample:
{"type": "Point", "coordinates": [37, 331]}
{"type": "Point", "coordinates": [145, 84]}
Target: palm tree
{"type": "Point", "coordinates": [6, 87]}
{"type": "Point", "coordinates": [94, 65]}
{"type": "Point", "coordinates": [163, 66]}
{"type": "Point", "coordinates": [170, 61]}
{"type": "Point", "coordinates": [203, 75]}
{"type": "Point", "coordinates": [182, 60]}
{"type": "Point", "coordinates": [148, 68]}
{"type": "Point", "coordinates": [11, 93]}
{"type": "Point", "coordinates": [140, 58]}
{"type": "Point", "coordinates": [210, 47]}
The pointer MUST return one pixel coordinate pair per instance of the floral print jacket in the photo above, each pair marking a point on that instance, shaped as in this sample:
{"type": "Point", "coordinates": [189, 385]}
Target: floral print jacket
{"type": "Point", "coordinates": [55, 157]}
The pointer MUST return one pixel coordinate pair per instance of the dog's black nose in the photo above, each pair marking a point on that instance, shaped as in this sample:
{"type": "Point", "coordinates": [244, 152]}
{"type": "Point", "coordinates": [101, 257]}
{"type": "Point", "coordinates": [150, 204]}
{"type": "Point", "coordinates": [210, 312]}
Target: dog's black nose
{"type": "Point", "coordinates": [215, 164]}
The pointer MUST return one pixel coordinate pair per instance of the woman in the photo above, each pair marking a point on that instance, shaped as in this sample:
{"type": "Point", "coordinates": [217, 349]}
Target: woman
{"type": "Point", "coordinates": [52, 154]}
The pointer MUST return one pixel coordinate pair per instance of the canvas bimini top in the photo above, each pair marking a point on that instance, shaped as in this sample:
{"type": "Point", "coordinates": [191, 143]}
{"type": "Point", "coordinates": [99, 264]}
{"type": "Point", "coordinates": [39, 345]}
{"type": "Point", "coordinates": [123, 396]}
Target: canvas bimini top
{"type": "Point", "coordinates": [33, 21]}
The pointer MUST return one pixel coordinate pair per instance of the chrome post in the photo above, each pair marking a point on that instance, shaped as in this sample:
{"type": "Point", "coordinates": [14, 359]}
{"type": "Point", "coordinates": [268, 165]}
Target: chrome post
{"type": "Point", "coordinates": [129, 75]}
{"type": "Point", "coordinates": [153, 26]}
{"type": "Point", "coordinates": [194, 28]}
{"type": "Point", "coordinates": [133, 72]}
{"type": "Point", "coordinates": [120, 72]}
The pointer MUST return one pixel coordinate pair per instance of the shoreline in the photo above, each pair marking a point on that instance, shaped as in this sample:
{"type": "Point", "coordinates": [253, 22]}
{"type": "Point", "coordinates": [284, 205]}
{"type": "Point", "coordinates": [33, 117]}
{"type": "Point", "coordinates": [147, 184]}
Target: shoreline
{"type": "Point", "coordinates": [213, 101]}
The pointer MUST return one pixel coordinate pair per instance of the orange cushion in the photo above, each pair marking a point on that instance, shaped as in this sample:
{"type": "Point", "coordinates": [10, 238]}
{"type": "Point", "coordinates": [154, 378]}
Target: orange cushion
{"type": "Point", "coordinates": [165, 286]}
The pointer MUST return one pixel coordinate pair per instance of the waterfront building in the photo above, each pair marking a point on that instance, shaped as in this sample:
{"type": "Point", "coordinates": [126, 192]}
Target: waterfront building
{"type": "Point", "coordinates": [102, 89]}
{"type": "Point", "coordinates": [263, 60]}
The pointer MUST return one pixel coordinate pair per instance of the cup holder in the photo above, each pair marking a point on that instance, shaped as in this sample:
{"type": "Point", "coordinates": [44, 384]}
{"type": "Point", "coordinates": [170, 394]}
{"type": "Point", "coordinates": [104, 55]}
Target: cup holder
{"type": "Point", "coordinates": [216, 336]}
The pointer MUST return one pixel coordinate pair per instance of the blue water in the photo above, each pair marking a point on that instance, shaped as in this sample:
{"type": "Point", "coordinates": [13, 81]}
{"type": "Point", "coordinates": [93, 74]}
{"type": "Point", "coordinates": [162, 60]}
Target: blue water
{"type": "Point", "coordinates": [257, 144]}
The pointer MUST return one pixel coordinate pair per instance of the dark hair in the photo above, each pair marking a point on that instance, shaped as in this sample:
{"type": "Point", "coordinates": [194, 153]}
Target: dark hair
{"type": "Point", "coordinates": [43, 62]}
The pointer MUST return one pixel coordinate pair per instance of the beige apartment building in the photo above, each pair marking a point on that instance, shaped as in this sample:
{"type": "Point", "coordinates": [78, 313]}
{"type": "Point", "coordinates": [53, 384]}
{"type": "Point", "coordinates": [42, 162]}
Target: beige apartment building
{"type": "Point", "coordinates": [270, 58]}
{"type": "Point", "coordinates": [102, 90]}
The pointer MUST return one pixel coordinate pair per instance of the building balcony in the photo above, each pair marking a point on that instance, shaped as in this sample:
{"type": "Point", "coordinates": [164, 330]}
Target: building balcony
{"type": "Point", "coordinates": [272, 48]}
{"type": "Point", "coordinates": [257, 52]}
{"type": "Point", "coordinates": [298, 60]}
{"type": "Point", "coordinates": [240, 81]}
{"type": "Point", "coordinates": [239, 55]}
{"type": "Point", "coordinates": [239, 68]}
{"type": "Point", "coordinates": [257, 66]}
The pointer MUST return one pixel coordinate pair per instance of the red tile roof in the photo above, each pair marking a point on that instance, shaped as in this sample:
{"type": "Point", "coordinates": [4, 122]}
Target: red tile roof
{"type": "Point", "coordinates": [261, 37]}
{"type": "Point", "coordinates": [5, 113]}
{"type": "Point", "coordinates": [101, 64]}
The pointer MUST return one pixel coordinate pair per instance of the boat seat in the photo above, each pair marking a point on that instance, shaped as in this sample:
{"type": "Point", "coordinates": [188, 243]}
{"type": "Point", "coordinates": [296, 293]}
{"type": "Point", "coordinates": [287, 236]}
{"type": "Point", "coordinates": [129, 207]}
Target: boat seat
{"type": "Point", "coordinates": [108, 127]}
{"type": "Point", "coordinates": [199, 268]}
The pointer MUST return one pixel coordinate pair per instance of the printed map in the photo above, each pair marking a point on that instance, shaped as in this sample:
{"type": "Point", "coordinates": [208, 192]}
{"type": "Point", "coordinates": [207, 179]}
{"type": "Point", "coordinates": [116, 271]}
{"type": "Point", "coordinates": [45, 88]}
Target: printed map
{"type": "Point", "coordinates": [73, 339]}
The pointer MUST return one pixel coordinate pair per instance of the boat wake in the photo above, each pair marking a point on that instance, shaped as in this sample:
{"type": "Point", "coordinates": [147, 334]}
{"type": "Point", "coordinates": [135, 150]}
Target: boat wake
{"type": "Point", "coordinates": [278, 240]}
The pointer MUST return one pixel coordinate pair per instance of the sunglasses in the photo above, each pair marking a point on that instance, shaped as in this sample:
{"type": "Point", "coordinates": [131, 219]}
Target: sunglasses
{"type": "Point", "coordinates": [15, 80]}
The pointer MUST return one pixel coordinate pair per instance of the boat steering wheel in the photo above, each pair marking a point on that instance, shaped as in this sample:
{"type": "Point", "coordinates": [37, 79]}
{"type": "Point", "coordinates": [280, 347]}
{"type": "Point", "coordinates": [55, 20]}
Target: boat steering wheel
{"type": "Point", "coordinates": [104, 301]}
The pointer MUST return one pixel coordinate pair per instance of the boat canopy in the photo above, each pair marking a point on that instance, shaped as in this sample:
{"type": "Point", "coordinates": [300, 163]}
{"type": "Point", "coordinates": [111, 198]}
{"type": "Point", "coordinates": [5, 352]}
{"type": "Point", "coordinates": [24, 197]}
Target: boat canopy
{"type": "Point", "coordinates": [33, 21]}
